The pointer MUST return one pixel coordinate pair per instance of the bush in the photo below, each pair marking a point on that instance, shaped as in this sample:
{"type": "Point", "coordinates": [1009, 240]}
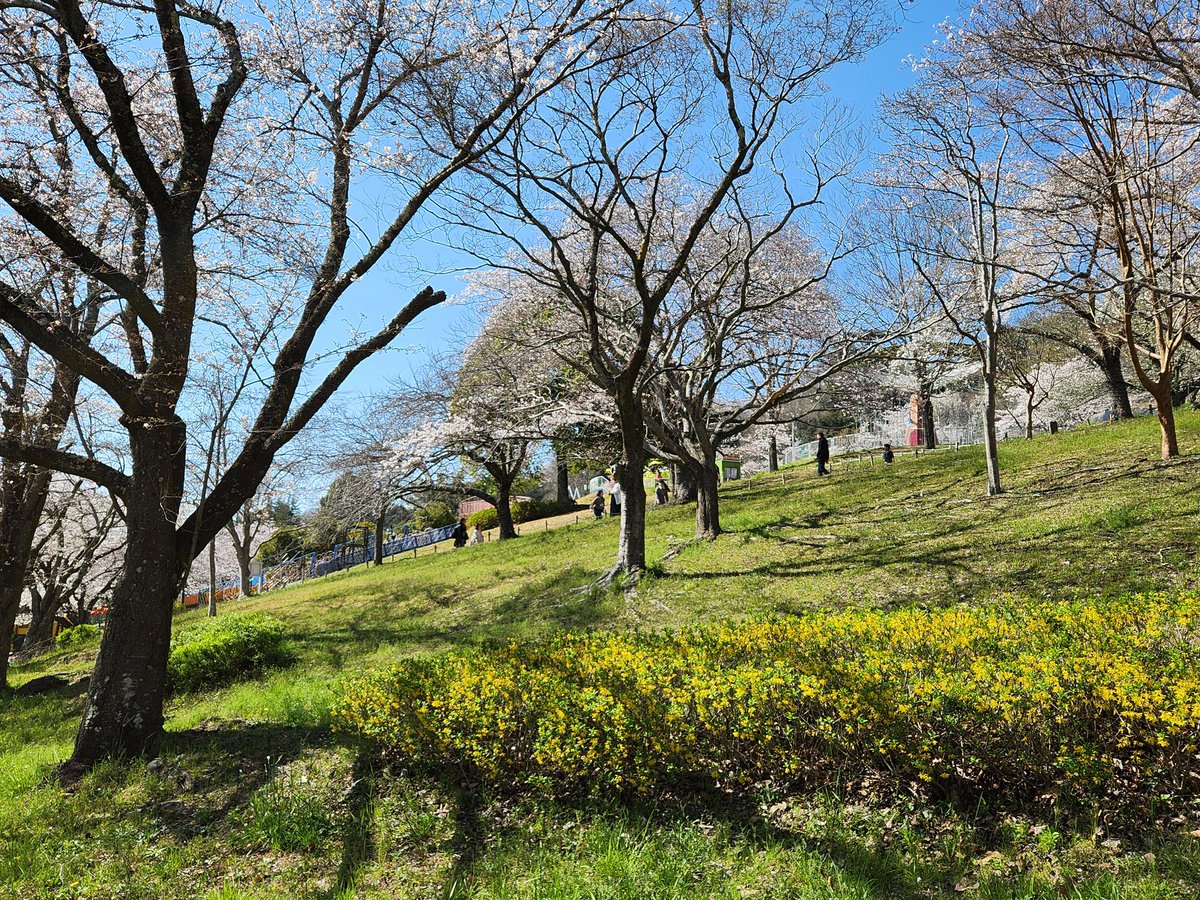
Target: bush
{"type": "Point", "coordinates": [484, 518]}
{"type": "Point", "coordinates": [523, 511]}
{"type": "Point", "coordinates": [435, 514]}
{"type": "Point", "coordinates": [1095, 700]}
{"type": "Point", "coordinates": [530, 510]}
{"type": "Point", "coordinates": [220, 650]}
{"type": "Point", "coordinates": [287, 542]}
{"type": "Point", "coordinates": [78, 636]}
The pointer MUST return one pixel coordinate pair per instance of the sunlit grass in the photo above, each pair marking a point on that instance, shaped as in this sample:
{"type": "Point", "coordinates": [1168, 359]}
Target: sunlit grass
{"type": "Point", "coordinates": [1087, 511]}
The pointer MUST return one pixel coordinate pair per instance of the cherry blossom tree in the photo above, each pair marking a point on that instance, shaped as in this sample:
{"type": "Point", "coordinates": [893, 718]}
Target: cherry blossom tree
{"type": "Point", "coordinates": [37, 395]}
{"type": "Point", "coordinates": [955, 177]}
{"type": "Point", "coordinates": [753, 325]}
{"type": "Point", "coordinates": [383, 456]}
{"type": "Point", "coordinates": [1118, 141]}
{"type": "Point", "coordinates": [493, 405]}
{"type": "Point", "coordinates": [588, 194]}
{"type": "Point", "coordinates": [237, 137]}
{"type": "Point", "coordinates": [76, 558]}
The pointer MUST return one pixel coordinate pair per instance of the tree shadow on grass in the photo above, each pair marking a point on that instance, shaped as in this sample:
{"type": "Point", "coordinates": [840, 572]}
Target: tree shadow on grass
{"type": "Point", "coordinates": [221, 765]}
{"type": "Point", "coordinates": [553, 602]}
{"type": "Point", "coordinates": [1035, 538]}
{"type": "Point", "coordinates": [877, 873]}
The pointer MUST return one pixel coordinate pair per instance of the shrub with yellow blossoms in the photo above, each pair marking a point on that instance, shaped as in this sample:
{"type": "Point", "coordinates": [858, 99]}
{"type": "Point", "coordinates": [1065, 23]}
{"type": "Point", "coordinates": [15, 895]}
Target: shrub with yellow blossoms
{"type": "Point", "coordinates": [1084, 699]}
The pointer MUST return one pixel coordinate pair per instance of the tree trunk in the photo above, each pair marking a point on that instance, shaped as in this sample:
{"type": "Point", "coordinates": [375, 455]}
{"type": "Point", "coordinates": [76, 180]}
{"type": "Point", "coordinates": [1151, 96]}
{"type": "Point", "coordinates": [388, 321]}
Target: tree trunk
{"type": "Point", "coordinates": [562, 487]}
{"type": "Point", "coordinates": [124, 709]}
{"type": "Point", "coordinates": [245, 579]}
{"type": "Point", "coordinates": [379, 521]}
{"type": "Point", "coordinates": [927, 423]}
{"type": "Point", "coordinates": [43, 611]}
{"type": "Point", "coordinates": [23, 499]}
{"type": "Point", "coordinates": [504, 509]}
{"type": "Point", "coordinates": [772, 455]}
{"type": "Point", "coordinates": [684, 489]}
{"type": "Point", "coordinates": [1114, 377]}
{"type": "Point", "coordinates": [1166, 421]}
{"type": "Point", "coordinates": [212, 578]}
{"type": "Point", "coordinates": [10, 602]}
{"type": "Point", "coordinates": [1029, 416]}
{"type": "Point", "coordinates": [630, 472]}
{"type": "Point", "coordinates": [990, 442]}
{"type": "Point", "coordinates": [708, 514]}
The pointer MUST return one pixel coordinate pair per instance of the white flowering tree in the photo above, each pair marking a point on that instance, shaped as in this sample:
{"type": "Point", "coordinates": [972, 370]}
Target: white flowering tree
{"type": "Point", "coordinates": [587, 199]}
{"type": "Point", "coordinates": [753, 325]}
{"type": "Point", "coordinates": [490, 407]}
{"type": "Point", "coordinates": [76, 559]}
{"type": "Point", "coordinates": [954, 176]}
{"type": "Point", "coordinates": [237, 135]}
{"type": "Point", "coordinates": [1115, 134]}
{"type": "Point", "coordinates": [384, 455]}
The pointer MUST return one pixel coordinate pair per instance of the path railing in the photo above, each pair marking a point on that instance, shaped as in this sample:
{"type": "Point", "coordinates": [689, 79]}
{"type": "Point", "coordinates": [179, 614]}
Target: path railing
{"type": "Point", "coordinates": [342, 556]}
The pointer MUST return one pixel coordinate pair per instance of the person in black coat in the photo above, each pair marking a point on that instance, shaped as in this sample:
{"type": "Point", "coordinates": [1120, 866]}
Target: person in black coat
{"type": "Point", "coordinates": [822, 454]}
{"type": "Point", "coordinates": [888, 455]}
{"type": "Point", "coordinates": [460, 534]}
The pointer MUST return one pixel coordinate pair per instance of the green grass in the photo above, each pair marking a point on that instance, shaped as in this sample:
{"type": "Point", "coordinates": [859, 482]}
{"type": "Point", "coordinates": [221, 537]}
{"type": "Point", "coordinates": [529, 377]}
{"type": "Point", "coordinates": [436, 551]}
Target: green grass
{"type": "Point", "coordinates": [252, 796]}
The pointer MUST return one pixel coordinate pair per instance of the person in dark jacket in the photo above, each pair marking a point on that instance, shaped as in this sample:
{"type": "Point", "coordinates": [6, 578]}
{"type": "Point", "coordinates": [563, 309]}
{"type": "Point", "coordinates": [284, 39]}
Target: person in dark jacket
{"type": "Point", "coordinates": [822, 454]}
{"type": "Point", "coordinates": [888, 455]}
{"type": "Point", "coordinates": [460, 534]}
{"type": "Point", "coordinates": [598, 505]}
{"type": "Point", "coordinates": [662, 491]}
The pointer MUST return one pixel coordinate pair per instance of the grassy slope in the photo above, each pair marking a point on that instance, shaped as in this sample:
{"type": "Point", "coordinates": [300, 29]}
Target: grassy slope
{"type": "Point", "coordinates": [255, 797]}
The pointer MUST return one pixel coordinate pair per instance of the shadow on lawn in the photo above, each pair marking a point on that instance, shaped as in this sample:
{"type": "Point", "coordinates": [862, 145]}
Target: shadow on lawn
{"type": "Point", "coordinates": [229, 761]}
{"type": "Point", "coordinates": [949, 539]}
{"type": "Point", "coordinates": [877, 873]}
{"type": "Point", "coordinates": [556, 602]}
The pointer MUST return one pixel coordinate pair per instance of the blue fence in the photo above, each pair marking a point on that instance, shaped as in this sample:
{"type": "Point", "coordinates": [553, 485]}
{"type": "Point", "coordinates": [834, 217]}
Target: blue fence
{"type": "Point", "coordinates": [343, 556]}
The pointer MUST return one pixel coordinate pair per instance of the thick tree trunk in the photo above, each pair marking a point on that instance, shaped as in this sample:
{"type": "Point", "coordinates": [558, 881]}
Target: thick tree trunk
{"type": "Point", "coordinates": [1114, 378]}
{"type": "Point", "coordinates": [124, 709]}
{"type": "Point", "coordinates": [245, 579]}
{"type": "Point", "coordinates": [630, 472]}
{"type": "Point", "coordinates": [928, 424]}
{"type": "Point", "coordinates": [1166, 422]}
{"type": "Point", "coordinates": [684, 489]}
{"type": "Point", "coordinates": [10, 602]}
{"type": "Point", "coordinates": [504, 510]}
{"type": "Point", "coordinates": [42, 615]}
{"type": "Point", "coordinates": [562, 478]}
{"type": "Point", "coordinates": [23, 499]}
{"type": "Point", "coordinates": [708, 514]}
{"type": "Point", "coordinates": [772, 455]}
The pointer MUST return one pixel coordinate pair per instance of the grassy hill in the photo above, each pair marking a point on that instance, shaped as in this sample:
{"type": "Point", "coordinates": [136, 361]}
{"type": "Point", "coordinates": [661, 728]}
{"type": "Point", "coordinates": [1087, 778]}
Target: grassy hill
{"type": "Point", "coordinates": [252, 795]}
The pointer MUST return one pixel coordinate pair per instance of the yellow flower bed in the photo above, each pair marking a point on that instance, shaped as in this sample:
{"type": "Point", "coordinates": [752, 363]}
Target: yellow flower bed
{"type": "Point", "coordinates": [1012, 700]}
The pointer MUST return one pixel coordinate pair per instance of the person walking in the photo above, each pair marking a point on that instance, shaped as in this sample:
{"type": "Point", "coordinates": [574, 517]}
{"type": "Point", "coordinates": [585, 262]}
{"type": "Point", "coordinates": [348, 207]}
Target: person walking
{"type": "Point", "coordinates": [477, 536]}
{"type": "Point", "coordinates": [888, 455]}
{"type": "Point", "coordinates": [822, 454]}
{"type": "Point", "coordinates": [614, 500]}
{"type": "Point", "coordinates": [460, 534]}
{"type": "Point", "coordinates": [598, 505]}
{"type": "Point", "coordinates": [662, 491]}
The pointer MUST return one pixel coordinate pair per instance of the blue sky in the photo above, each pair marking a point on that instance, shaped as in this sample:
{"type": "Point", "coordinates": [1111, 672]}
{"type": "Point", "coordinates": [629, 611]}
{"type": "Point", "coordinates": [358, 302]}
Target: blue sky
{"type": "Point", "coordinates": [378, 296]}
